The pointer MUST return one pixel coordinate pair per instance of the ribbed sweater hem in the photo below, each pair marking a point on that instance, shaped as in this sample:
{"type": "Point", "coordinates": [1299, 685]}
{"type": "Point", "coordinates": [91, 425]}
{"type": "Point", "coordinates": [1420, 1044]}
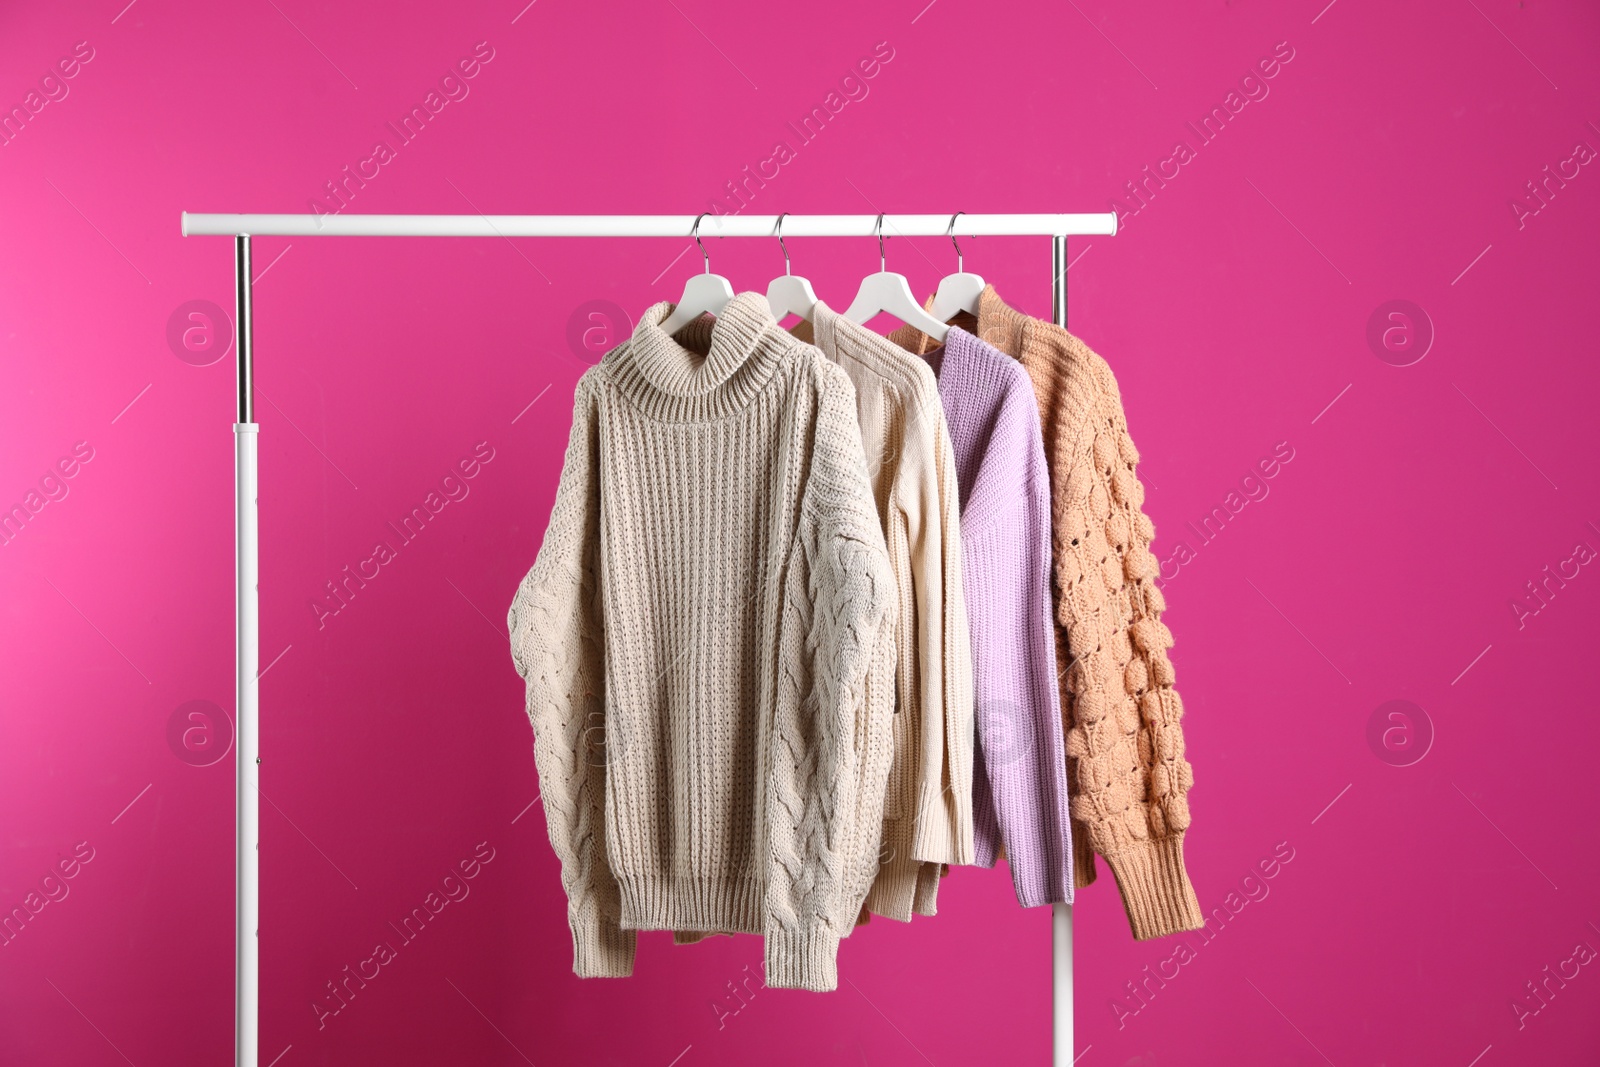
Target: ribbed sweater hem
{"type": "Point", "coordinates": [1156, 889]}
{"type": "Point", "coordinates": [802, 959]}
{"type": "Point", "coordinates": [710, 903]}
{"type": "Point", "coordinates": [894, 890]}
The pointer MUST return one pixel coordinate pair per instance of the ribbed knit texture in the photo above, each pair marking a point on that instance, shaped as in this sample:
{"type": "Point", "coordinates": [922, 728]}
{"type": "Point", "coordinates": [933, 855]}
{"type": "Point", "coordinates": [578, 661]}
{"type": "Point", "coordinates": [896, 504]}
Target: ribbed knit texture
{"type": "Point", "coordinates": [1020, 784]}
{"type": "Point", "coordinates": [707, 638]}
{"type": "Point", "coordinates": [1126, 771]}
{"type": "Point", "coordinates": [928, 813]}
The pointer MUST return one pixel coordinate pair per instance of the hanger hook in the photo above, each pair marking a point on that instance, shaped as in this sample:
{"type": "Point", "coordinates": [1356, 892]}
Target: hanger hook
{"type": "Point", "coordinates": [953, 241]}
{"type": "Point", "coordinates": [695, 233]}
{"type": "Point", "coordinates": [781, 245]}
{"type": "Point", "coordinates": [877, 228]}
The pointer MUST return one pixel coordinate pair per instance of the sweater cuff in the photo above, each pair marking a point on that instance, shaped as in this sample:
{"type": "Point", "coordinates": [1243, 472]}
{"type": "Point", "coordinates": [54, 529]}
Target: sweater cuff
{"type": "Point", "coordinates": [601, 948]}
{"type": "Point", "coordinates": [1038, 882]}
{"type": "Point", "coordinates": [944, 831]}
{"type": "Point", "coordinates": [1155, 888]}
{"type": "Point", "coordinates": [802, 959]}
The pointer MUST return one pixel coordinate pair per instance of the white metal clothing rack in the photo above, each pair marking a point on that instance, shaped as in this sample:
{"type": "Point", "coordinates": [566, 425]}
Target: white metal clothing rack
{"type": "Point", "coordinates": [246, 529]}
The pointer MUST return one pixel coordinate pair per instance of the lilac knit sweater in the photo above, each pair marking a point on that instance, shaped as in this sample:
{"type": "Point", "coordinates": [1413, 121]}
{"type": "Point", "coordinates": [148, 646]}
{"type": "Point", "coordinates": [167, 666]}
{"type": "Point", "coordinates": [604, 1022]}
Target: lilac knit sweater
{"type": "Point", "coordinates": [1019, 773]}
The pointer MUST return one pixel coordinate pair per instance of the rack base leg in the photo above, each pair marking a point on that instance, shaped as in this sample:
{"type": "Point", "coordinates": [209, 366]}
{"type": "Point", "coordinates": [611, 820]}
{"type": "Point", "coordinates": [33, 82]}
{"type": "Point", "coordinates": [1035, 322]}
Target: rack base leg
{"type": "Point", "coordinates": [1061, 984]}
{"type": "Point", "coordinates": [246, 748]}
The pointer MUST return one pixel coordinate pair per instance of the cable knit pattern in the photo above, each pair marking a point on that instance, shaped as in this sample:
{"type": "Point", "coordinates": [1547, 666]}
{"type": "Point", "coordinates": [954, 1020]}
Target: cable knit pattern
{"type": "Point", "coordinates": [831, 743]}
{"type": "Point", "coordinates": [928, 809]}
{"type": "Point", "coordinates": [557, 646]}
{"type": "Point", "coordinates": [1020, 791]}
{"type": "Point", "coordinates": [708, 637]}
{"type": "Point", "coordinates": [1125, 769]}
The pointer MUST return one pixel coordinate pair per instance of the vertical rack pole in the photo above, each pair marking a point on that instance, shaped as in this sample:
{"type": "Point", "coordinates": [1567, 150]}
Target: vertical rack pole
{"type": "Point", "coordinates": [247, 727]}
{"type": "Point", "coordinates": [1058, 281]}
{"type": "Point", "coordinates": [1061, 914]}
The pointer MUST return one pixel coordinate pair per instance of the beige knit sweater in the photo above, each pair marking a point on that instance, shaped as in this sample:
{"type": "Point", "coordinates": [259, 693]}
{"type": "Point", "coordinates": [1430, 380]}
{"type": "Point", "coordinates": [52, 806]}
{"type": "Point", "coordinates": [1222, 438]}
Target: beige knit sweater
{"type": "Point", "coordinates": [1126, 770]}
{"type": "Point", "coordinates": [928, 811]}
{"type": "Point", "coordinates": [707, 639]}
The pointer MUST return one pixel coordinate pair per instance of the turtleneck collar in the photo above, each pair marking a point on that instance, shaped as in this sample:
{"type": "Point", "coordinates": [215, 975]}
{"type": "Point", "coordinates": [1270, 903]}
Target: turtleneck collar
{"type": "Point", "coordinates": [711, 368]}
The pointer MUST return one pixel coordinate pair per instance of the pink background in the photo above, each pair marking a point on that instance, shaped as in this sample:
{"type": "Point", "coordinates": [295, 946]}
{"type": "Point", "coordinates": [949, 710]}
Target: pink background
{"type": "Point", "coordinates": [1383, 563]}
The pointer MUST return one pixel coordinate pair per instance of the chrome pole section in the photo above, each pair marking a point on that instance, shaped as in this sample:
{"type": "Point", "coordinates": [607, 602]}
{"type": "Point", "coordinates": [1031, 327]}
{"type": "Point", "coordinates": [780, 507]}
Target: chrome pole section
{"type": "Point", "coordinates": [247, 761]}
{"type": "Point", "coordinates": [1061, 914]}
{"type": "Point", "coordinates": [245, 353]}
{"type": "Point", "coordinates": [1058, 280]}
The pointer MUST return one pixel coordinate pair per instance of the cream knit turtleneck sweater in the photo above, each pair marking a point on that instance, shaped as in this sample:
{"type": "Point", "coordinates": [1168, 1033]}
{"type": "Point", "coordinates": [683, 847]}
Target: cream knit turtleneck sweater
{"type": "Point", "coordinates": [707, 639]}
{"type": "Point", "coordinates": [928, 814]}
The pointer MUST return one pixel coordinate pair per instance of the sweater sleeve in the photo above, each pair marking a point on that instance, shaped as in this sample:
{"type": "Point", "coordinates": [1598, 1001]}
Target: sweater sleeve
{"type": "Point", "coordinates": [944, 645]}
{"type": "Point", "coordinates": [1021, 789]}
{"type": "Point", "coordinates": [1125, 744]}
{"type": "Point", "coordinates": [557, 644]}
{"type": "Point", "coordinates": [830, 738]}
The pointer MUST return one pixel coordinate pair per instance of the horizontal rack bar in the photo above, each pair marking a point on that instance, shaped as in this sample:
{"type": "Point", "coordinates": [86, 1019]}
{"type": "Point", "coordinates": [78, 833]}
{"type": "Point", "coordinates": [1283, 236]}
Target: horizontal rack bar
{"type": "Point", "coordinates": [330, 225]}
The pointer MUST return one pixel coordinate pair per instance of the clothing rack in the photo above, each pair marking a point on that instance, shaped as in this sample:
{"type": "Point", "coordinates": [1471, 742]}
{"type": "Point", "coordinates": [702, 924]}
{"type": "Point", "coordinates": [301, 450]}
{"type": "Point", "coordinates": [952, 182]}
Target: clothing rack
{"type": "Point", "coordinates": [247, 761]}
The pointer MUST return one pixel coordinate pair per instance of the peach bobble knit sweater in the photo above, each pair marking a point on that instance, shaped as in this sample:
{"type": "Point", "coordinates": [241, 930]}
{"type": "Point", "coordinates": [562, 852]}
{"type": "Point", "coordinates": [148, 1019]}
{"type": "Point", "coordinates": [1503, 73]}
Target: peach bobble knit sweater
{"type": "Point", "coordinates": [1126, 771]}
{"type": "Point", "coordinates": [707, 640]}
{"type": "Point", "coordinates": [928, 813]}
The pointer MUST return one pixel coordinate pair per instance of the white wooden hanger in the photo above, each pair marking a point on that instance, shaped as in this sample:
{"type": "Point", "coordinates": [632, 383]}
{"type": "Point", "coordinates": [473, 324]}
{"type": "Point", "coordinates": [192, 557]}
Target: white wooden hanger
{"type": "Point", "coordinates": [701, 293]}
{"type": "Point", "coordinates": [789, 293]}
{"type": "Point", "coordinates": [959, 291]}
{"type": "Point", "coordinates": [888, 292]}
